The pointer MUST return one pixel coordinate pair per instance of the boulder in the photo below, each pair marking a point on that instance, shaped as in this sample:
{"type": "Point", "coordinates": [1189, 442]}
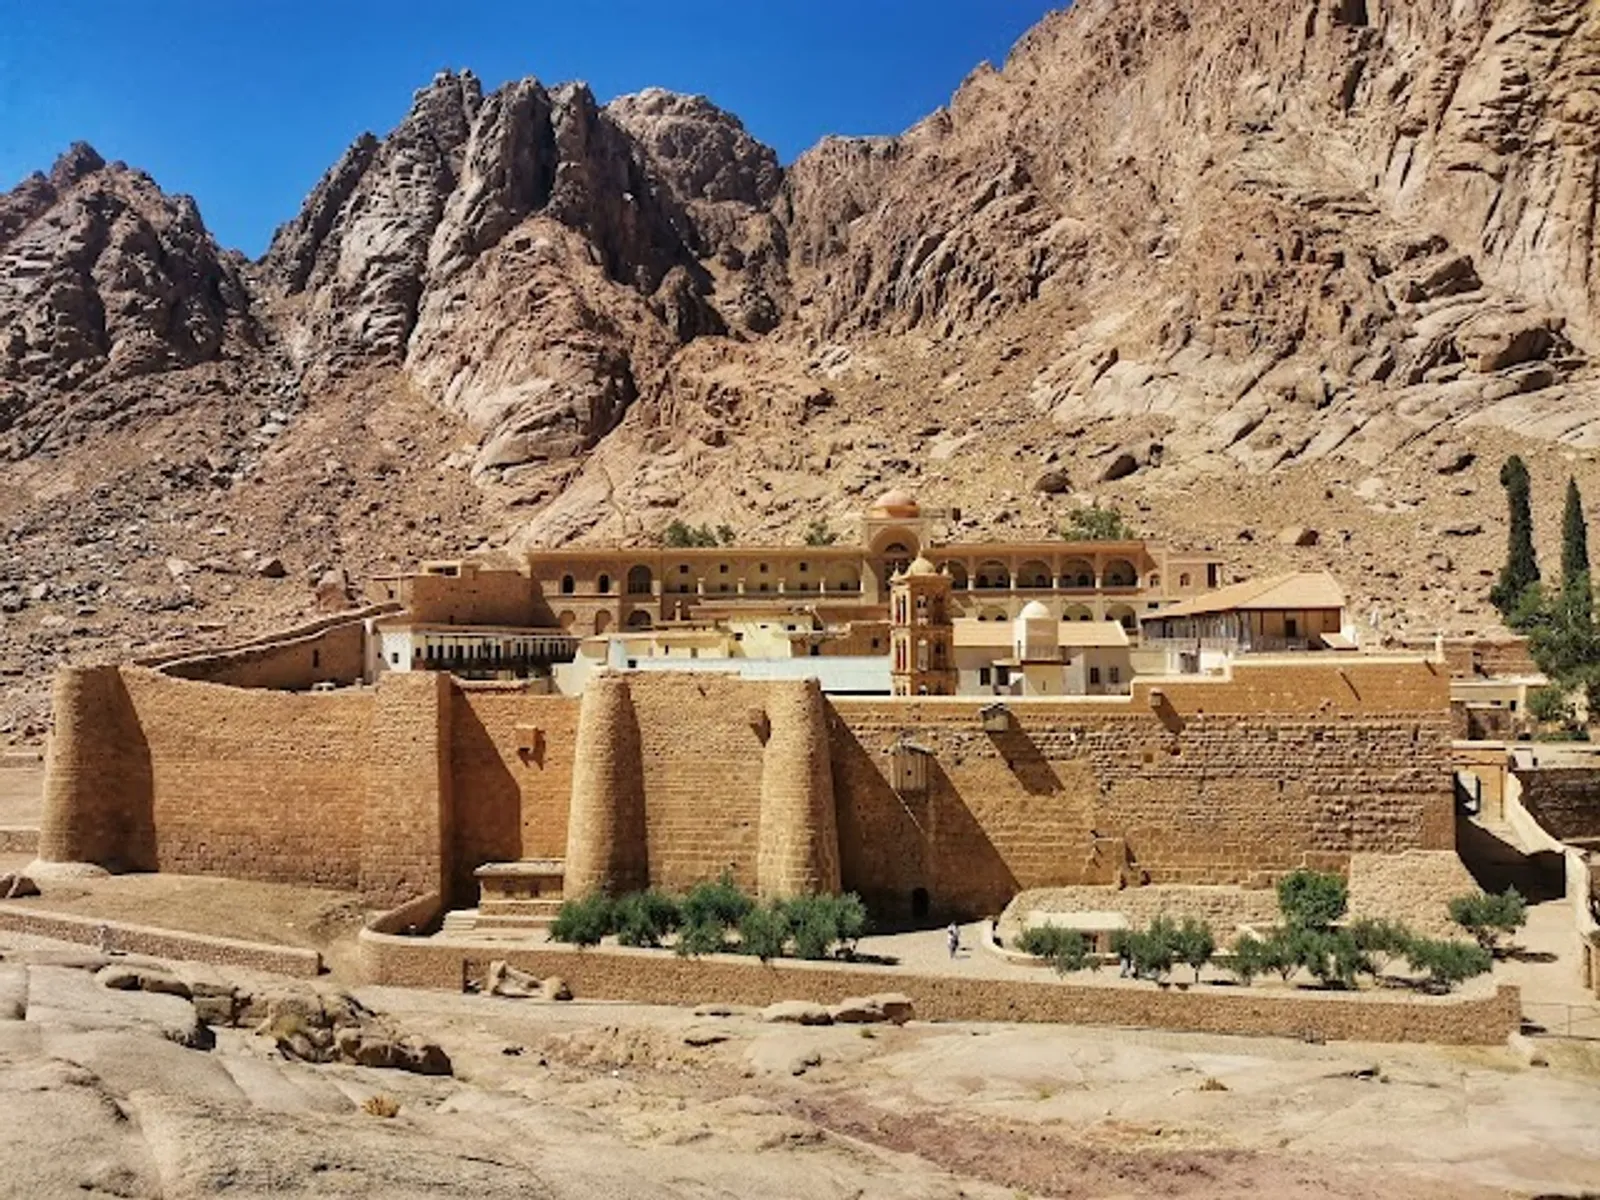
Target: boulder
{"type": "Point", "coordinates": [796, 1012]}
{"type": "Point", "coordinates": [896, 1007]}
{"type": "Point", "coordinates": [17, 887]}
{"type": "Point", "coordinates": [1298, 535]}
{"type": "Point", "coordinates": [125, 977]}
{"type": "Point", "coordinates": [1053, 482]}
{"type": "Point", "coordinates": [1462, 529]}
{"type": "Point", "coordinates": [271, 567]}
{"type": "Point", "coordinates": [556, 988]}
{"type": "Point", "coordinates": [333, 590]}
{"type": "Point", "coordinates": [508, 981]}
{"type": "Point", "coordinates": [1451, 459]}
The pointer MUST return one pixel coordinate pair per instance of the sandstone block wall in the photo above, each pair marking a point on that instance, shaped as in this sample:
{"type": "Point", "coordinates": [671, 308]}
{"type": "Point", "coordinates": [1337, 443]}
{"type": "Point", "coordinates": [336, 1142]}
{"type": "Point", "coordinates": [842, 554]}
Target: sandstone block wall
{"type": "Point", "coordinates": [665, 779]}
{"type": "Point", "coordinates": [654, 977]}
{"type": "Point", "coordinates": [511, 759]}
{"type": "Point", "coordinates": [336, 654]}
{"type": "Point", "coordinates": [1565, 801]}
{"type": "Point", "coordinates": [1203, 782]}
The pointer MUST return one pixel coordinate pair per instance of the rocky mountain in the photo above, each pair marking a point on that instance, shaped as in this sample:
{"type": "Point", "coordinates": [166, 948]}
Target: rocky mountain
{"type": "Point", "coordinates": [1317, 262]}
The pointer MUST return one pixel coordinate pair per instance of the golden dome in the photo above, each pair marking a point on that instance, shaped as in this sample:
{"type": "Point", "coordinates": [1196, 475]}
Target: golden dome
{"type": "Point", "coordinates": [921, 566]}
{"type": "Point", "coordinates": [895, 503]}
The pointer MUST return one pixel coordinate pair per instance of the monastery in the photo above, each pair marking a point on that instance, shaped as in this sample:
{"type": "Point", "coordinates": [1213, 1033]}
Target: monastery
{"type": "Point", "coordinates": [934, 725]}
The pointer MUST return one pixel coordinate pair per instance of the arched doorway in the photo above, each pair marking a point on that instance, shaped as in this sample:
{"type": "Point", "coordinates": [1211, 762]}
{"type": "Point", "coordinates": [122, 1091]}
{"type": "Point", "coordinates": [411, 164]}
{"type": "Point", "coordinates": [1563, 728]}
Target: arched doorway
{"type": "Point", "coordinates": [602, 621]}
{"type": "Point", "coordinates": [639, 619]}
{"type": "Point", "coordinates": [639, 581]}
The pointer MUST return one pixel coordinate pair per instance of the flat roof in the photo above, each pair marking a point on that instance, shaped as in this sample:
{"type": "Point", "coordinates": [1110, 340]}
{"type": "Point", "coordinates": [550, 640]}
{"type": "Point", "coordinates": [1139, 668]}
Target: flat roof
{"type": "Point", "coordinates": [1070, 635]}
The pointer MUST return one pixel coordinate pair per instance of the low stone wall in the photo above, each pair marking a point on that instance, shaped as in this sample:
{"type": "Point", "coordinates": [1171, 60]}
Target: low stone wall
{"type": "Point", "coordinates": [160, 943]}
{"type": "Point", "coordinates": [654, 977]}
{"type": "Point", "coordinates": [18, 840]}
{"type": "Point", "coordinates": [1224, 908]}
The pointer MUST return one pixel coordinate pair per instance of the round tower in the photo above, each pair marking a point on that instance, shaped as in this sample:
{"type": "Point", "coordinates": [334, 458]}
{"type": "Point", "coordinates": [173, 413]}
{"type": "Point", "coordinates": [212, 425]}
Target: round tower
{"type": "Point", "coordinates": [97, 775]}
{"type": "Point", "coordinates": [606, 844]}
{"type": "Point", "coordinates": [798, 850]}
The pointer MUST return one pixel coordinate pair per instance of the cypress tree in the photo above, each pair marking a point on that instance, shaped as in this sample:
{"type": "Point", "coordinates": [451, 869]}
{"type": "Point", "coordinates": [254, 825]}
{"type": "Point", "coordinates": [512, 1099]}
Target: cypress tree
{"type": "Point", "coordinates": [1575, 551]}
{"type": "Point", "coordinates": [1522, 567]}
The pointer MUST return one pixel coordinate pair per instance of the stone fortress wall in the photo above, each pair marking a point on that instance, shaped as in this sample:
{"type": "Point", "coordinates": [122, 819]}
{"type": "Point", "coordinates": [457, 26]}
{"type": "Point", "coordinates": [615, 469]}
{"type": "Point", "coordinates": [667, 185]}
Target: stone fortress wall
{"type": "Point", "coordinates": [402, 789]}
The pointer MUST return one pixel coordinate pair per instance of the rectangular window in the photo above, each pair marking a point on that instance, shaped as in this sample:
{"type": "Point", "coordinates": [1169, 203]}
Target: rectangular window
{"type": "Point", "coordinates": [683, 569]}
{"type": "Point", "coordinates": [763, 568]}
{"type": "Point", "coordinates": [983, 676]}
{"type": "Point", "coordinates": [395, 658]}
{"type": "Point", "coordinates": [1291, 627]}
{"type": "Point", "coordinates": [1094, 675]}
{"type": "Point", "coordinates": [723, 569]}
{"type": "Point", "coordinates": [804, 567]}
{"type": "Point", "coordinates": [1211, 575]}
{"type": "Point", "coordinates": [1114, 674]}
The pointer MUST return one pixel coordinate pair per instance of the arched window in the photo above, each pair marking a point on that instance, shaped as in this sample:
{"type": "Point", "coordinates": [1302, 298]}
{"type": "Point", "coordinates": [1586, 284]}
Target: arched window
{"type": "Point", "coordinates": [602, 621]}
{"type": "Point", "coordinates": [957, 572]}
{"type": "Point", "coordinates": [1033, 575]}
{"type": "Point", "coordinates": [603, 584]}
{"type": "Point", "coordinates": [639, 581]}
{"type": "Point", "coordinates": [1154, 580]}
{"type": "Point", "coordinates": [1119, 573]}
{"type": "Point", "coordinates": [568, 585]}
{"type": "Point", "coordinates": [994, 575]}
{"type": "Point", "coordinates": [638, 619]}
{"type": "Point", "coordinates": [1077, 574]}
{"type": "Point", "coordinates": [1183, 580]}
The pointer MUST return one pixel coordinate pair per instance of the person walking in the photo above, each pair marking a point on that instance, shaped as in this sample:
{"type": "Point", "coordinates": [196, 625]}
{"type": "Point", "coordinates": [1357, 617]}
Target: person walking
{"type": "Point", "coordinates": [953, 936]}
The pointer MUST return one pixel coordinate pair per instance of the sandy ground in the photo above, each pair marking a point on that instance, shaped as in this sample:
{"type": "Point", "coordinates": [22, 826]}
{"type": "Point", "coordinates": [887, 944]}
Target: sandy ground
{"type": "Point", "coordinates": [21, 795]}
{"type": "Point", "coordinates": [603, 1100]}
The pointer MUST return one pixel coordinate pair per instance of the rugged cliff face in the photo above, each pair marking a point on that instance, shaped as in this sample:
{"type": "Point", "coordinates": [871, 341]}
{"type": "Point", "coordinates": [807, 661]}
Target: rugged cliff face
{"type": "Point", "coordinates": [1229, 267]}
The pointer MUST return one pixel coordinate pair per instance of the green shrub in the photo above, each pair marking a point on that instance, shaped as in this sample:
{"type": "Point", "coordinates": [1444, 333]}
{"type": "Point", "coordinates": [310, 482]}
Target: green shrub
{"type": "Point", "coordinates": [850, 914]}
{"type": "Point", "coordinates": [1312, 900]}
{"type": "Point", "coordinates": [813, 923]}
{"type": "Point", "coordinates": [645, 918]}
{"type": "Point", "coordinates": [1448, 963]}
{"type": "Point", "coordinates": [701, 937]}
{"type": "Point", "coordinates": [584, 921]}
{"type": "Point", "coordinates": [1153, 950]}
{"type": "Point", "coordinates": [1066, 950]}
{"type": "Point", "coordinates": [1381, 941]}
{"type": "Point", "coordinates": [763, 933]}
{"type": "Point", "coordinates": [1487, 916]}
{"type": "Point", "coordinates": [721, 902]}
{"type": "Point", "coordinates": [1194, 944]}
{"type": "Point", "coordinates": [1249, 958]}
{"type": "Point", "coordinates": [1280, 953]}
{"type": "Point", "coordinates": [1332, 956]}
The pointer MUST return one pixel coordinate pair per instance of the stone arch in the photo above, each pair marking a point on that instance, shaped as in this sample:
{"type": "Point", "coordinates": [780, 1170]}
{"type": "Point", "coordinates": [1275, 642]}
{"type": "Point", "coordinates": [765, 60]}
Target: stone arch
{"type": "Point", "coordinates": [957, 572]}
{"type": "Point", "coordinates": [640, 580]}
{"type": "Point", "coordinates": [639, 619]}
{"type": "Point", "coordinates": [993, 574]}
{"type": "Point", "coordinates": [602, 621]}
{"type": "Point", "coordinates": [1119, 573]}
{"type": "Point", "coordinates": [993, 614]}
{"type": "Point", "coordinates": [1033, 574]}
{"type": "Point", "coordinates": [1077, 612]}
{"type": "Point", "coordinates": [1124, 616]}
{"type": "Point", "coordinates": [1077, 574]}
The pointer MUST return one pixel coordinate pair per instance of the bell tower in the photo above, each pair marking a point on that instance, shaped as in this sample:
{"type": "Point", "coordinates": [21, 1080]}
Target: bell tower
{"type": "Point", "coordinates": [922, 658]}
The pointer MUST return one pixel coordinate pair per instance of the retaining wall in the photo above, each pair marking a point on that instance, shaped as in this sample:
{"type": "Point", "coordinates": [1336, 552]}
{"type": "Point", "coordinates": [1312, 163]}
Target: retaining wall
{"type": "Point", "coordinates": [658, 977]}
{"type": "Point", "coordinates": [160, 943]}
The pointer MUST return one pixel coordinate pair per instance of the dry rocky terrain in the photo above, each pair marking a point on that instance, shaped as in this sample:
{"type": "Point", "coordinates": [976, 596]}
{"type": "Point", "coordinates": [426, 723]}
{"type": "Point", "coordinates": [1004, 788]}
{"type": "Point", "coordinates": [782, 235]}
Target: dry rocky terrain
{"type": "Point", "coordinates": [195, 1083]}
{"type": "Point", "coordinates": [1230, 267]}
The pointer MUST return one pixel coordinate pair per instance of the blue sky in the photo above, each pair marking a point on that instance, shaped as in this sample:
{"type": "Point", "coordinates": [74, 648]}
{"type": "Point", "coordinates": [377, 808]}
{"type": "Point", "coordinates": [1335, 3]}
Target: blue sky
{"type": "Point", "coordinates": [244, 103]}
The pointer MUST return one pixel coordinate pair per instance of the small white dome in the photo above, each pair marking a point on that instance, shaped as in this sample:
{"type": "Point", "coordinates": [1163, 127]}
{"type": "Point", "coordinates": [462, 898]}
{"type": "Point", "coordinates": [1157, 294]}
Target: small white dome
{"type": "Point", "coordinates": [1034, 611]}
